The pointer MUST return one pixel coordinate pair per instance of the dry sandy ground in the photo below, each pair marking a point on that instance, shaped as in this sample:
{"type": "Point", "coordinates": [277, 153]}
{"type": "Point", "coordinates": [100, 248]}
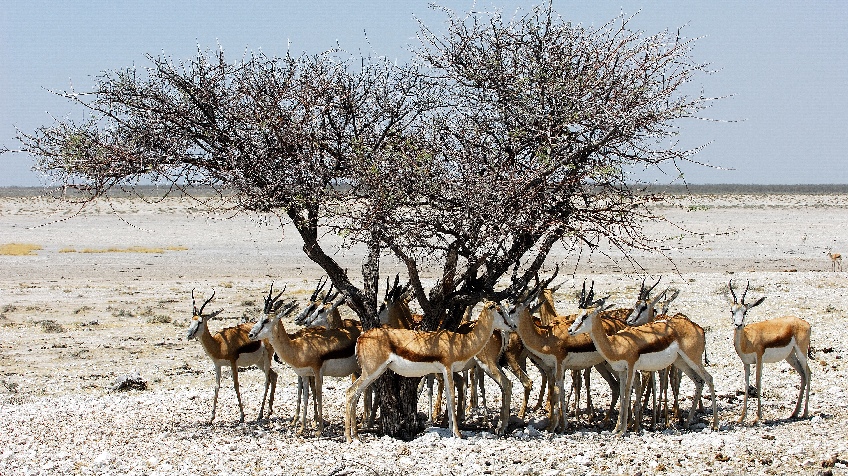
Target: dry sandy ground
{"type": "Point", "coordinates": [73, 321]}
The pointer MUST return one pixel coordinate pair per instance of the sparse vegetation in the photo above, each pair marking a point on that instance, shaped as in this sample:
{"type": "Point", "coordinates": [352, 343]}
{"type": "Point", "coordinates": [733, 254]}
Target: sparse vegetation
{"type": "Point", "coordinates": [19, 249]}
{"type": "Point", "coordinates": [50, 326]}
{"type": "Point", "coordinates": [122, 313]}
{"type": "Point", "coordinates": [6, 309]}
{"type": "Point", "coordinates": [131, 249]}
{"type": "Point", "coordinates": [159, 319]}
{"type": "Point", "coordinates": [82, 309]}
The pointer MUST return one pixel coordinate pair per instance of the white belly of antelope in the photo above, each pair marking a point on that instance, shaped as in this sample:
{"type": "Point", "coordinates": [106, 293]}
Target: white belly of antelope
{"type": "Point", "coordinates": [547, 359]}
{"type": "Point", "coordinates": [410, 368]}
{"type": "Point", "coordinates": [582, 360]}
{"type": "Point", "coordinates": [771, 354]}
{"type": "Point", "coordinates": [246, 360]}
{"type": "Point", "coordinates": [339, 367]}
{"type": "Point", "coordinates": [653, 361]}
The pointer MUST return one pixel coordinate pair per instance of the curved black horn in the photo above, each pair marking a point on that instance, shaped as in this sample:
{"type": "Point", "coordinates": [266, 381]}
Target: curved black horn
{"type": "Point", "coordinates": [642, 295]}
{"type": "Point", "coordinates": [330, 296]}
{"type": "Point", "coordinates": [745, 292]}
{"type": "Point", "coordinates": [582, 295]}
{"type": "Point", "coordinates": [193, 303]}
{"type": "Point", "coordinates": [548, 281]}
{"type": "Point", "coordinates": [279, 294]}
{"type": "Point", "coordinates": [395, 286]}
{"type": "Point", "coordinates": [199, 313]}
{"type": "Point", "coordinates": [590, 296]}
{"type": "Point", "coordinates": [321, 283]}
{"type": "Point", "coordinates": [730, 285]}
{"type": "Point", "coordinates": [648, 293]}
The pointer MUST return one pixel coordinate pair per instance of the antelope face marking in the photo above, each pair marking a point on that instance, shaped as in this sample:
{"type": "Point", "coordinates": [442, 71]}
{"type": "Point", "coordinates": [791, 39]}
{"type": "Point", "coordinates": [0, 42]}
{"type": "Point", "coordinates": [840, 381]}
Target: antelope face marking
{"type": "Point", "coordinates": [305, 316]}
{"type": "Point", "coordinates": [511, 316]}
{"type": "Point", "coordinates": [580, 324]}
{"type": "Point", "coordinates": [319, 315]}
{"type": "Point", "coordinates": [261, 330]}
{"type": "Point", "coordinates": [639, 313]}
{"type": "Point", "coordinates": [501, 317]}
{"type": "Point", "coordinates": [196, 321]}
{"type": "Point", "coordinates": [737, 314]}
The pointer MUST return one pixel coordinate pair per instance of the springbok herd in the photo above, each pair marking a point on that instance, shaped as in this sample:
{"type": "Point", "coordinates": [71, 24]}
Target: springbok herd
{"type": "Point", "coordinates": [643, 349]}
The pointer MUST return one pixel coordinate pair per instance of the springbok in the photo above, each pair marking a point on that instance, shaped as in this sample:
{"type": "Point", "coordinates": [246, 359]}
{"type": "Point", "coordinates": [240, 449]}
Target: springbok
{"type": "Point", "coordinates": [311, 352]}
{"type": "Point", "coordinates": [560, 351]}
{"type": "Point", "coordinates": [413, 353]}
{"type": "Point", "coordinates": [649, 347]}
{"type": "Point", "coordinates": [232, 346]}
{"type": "Point", "coordinates": [835, 260]}
{"type": "Point", "coordinates": [782, 338]}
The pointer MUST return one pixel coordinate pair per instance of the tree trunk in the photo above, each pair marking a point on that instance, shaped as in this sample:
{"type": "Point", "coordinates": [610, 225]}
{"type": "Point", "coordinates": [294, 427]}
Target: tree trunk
{"type": "Point", "coordinates": [398, 397]}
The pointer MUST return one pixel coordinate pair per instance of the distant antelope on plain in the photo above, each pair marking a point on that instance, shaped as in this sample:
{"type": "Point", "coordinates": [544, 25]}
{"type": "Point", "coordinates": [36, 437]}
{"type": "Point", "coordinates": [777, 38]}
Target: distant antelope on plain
{"type": "Point", "coordinates": [835, 261]}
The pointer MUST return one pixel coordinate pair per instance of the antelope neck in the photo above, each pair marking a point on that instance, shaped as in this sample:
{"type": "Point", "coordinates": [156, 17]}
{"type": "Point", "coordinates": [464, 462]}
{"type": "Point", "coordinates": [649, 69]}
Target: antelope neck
{"type": "Point", "coordinates": [208, 342]}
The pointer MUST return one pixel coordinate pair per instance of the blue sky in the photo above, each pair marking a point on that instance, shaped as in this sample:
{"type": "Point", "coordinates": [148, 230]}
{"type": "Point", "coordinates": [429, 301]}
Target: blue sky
{"type": "Point", "coordinates": [784, 65]}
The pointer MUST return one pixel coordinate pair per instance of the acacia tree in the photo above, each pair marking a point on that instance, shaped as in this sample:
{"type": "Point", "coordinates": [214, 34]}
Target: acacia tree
{"type": "Point", "coordinates": [502, 138]}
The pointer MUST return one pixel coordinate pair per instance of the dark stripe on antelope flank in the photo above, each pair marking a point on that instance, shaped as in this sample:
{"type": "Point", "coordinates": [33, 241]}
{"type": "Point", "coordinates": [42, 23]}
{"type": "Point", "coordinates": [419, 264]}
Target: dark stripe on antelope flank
{"type": "Point", "coordinates": [782, 338]}
{"type": "Point", "coordinates": [407, 354]}
{"type": "Point", "coordinates": [342, 353]}
{"type": "Point", "coordinates": [581, 343]}
{"type": "Point", "coordinates": [650, 342]}
{"type": "Point", "coordinates": [249, 348]}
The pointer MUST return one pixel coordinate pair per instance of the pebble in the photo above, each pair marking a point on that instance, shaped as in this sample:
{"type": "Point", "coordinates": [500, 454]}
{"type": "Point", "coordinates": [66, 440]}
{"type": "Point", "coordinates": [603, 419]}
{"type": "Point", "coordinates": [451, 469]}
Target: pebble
{"type": "Point", "coordinates": [103, 459]}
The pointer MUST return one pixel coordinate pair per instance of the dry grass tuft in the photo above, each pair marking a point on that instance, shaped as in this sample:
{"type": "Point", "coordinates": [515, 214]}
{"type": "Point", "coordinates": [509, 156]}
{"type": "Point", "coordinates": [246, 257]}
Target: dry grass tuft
{"type": "Point", "coordinates": [159, 319]}
{"type": "Point", "coordinates": [51, 326]}
{"type": "Point", "coordinates": [19, 249]}
{"type": "Point", "coordinates": [131, 249]}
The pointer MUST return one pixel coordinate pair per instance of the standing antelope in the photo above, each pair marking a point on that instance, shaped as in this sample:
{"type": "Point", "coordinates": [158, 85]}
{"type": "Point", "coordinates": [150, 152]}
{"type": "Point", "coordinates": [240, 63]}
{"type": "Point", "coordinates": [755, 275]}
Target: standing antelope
{"type": "Point", "coordinates": [560, 351]}
{"type": "Point", "coordinates": [835, 260]}
{"type": "Point", "coordinates": [311, 352]}
{"type": "Point", "coordinates": [645, 311]}
{"type": "Point", "coordinates": [782, 338]}
{"type": "Point", "coordinates": [413, 353]}
{"type": "Point", "coordinates": [649, 347]}
{"type": "Point", "coordinates": [232, 346]}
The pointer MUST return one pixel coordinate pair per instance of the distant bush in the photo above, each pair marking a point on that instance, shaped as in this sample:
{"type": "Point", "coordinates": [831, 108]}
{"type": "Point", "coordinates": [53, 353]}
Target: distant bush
{"type": "Point", "coordinates": [159, 319]}
{"type": "Point", "coordinates": [51, 326]}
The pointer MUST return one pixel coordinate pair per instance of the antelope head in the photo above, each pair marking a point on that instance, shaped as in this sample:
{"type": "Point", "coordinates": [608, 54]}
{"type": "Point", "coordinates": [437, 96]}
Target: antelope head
{"type": "Point", "coordinates": [739, 308]}
{"type": "Point", "coordinates": [321, 312]}
{"type": "Point", "coordinates": [198, 319]}
{"type": "Point", "coordinates": [641, 311]}
{"type": "Point", "coordinates": [312, 305]}
{"type": "Point", "coordinates": [583, 322]}
{"type": "Point", "coordinates": [274, 310]}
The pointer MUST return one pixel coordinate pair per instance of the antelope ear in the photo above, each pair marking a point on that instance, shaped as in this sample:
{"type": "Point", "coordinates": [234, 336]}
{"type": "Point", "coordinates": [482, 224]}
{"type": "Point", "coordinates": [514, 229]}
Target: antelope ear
{"type": "Point", "coordinates": [674, 296]}
{"type": "Point", "coordinates": [215, 314]}
{"type": "Point", "coordinates": [757, 302]}
{"type": "Point", "coordinates": [659, 296]}
{"type": "Point", "coordinates": [290, 308]}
